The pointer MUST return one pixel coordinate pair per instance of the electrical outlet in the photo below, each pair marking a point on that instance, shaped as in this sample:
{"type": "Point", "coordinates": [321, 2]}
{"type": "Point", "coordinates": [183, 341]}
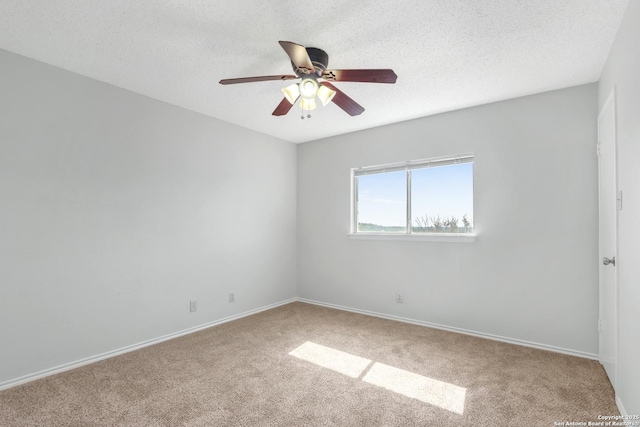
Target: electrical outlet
{"type": "Point", "coordinates": [193, 305]}
{"type": "Point", "coordinates": [232, 297]}
{"type": "Point", "coordinates": [399, 298]}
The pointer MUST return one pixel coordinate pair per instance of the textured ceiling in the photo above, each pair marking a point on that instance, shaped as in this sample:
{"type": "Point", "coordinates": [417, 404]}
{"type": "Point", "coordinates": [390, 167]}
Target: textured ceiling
{"type": "Point", "coordinates": [448, 54]}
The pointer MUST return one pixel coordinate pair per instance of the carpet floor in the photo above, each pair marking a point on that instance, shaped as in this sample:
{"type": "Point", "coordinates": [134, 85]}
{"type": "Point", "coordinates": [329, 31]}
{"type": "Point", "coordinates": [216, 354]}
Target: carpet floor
{"type": "Point", "coordinates": [305, 365]}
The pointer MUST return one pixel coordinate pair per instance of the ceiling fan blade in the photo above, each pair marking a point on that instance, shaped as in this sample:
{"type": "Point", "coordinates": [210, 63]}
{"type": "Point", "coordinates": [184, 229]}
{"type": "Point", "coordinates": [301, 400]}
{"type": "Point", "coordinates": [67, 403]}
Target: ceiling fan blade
{"type": "Point", "coordinates": [367, 76]}
{"type": "Point", "coordinates": [299, 56]}
{"type": "Point", "coordinates": [283, 108]}
{"type": "Point", "coordinates": [257, 79]}
{"type": "Point", "coordinates": [350, 106]}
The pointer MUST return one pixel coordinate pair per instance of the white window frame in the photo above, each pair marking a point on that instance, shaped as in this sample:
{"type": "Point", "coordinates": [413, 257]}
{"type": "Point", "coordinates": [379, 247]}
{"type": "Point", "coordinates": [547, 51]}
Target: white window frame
{"type": "Point", "coordinates": [408, 235]}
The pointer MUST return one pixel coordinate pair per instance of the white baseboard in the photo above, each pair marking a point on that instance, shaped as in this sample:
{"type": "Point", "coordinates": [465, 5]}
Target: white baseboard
{"type": "Point", "coordinates": [86, 361]}
{"type": "Point", "coordinates": [620, 406]}
{"type": "Point", "coordinates": [458, 330]}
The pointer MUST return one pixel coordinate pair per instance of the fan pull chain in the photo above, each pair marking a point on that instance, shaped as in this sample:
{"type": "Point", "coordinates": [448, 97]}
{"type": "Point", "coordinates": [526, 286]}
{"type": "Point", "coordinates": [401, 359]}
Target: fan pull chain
{"type": "Point", "coordinates": [308, 114]}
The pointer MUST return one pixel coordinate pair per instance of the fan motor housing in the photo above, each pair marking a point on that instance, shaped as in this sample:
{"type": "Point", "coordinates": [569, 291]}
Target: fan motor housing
{"type": "Point", "coordinates": [319, 59]}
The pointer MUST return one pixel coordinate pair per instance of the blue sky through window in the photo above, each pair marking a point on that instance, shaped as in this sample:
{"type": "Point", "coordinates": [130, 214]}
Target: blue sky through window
{"type": "Point", "coordinates": [443, 191]}
{"type": "Point", "coordinates": [382, 199]}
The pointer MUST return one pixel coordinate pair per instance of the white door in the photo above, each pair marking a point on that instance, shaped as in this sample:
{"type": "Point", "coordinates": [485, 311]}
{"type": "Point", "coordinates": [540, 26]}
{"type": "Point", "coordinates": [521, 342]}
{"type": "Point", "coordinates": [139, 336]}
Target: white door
{"type": "Point", "coordinates": [608, 231]}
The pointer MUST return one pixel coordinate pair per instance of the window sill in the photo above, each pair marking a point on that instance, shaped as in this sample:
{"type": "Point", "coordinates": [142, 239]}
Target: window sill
{"type": "Point", "coordinates": [440, 237]}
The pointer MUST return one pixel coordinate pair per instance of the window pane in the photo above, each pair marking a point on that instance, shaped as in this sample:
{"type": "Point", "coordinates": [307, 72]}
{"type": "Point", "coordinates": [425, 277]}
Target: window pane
{"type": "Point", "coordinates": [442, 199]}
{"type": "Point", "coordinates": [382, 202]}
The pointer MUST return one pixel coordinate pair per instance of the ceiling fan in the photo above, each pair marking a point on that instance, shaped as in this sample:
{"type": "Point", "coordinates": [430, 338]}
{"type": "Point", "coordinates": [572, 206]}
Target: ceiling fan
{"type": "Point", "coordinates": [310, 65]}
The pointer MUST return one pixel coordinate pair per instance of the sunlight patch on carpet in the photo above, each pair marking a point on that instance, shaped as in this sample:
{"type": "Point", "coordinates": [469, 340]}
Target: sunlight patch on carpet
{"type": "Point", "coordinates": [327, 357]}
{"type": "Point", "coordinates": [415, 386]}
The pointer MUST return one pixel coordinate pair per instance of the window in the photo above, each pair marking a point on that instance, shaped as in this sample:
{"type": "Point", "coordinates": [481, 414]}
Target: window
{"type": "Point", "coordinates": [425, 197]}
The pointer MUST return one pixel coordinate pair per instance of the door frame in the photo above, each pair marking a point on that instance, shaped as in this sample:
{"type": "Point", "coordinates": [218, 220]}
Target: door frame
{"type": "Point", "coordinates": [609, 103]}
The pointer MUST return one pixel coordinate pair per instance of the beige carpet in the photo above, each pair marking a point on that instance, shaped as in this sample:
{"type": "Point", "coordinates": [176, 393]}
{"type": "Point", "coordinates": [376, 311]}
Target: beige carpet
{"type": "Point", "coordinates": [344, 369]}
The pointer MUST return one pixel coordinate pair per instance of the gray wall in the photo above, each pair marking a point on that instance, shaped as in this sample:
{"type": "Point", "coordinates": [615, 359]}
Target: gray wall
{"type": "Point", "coordinates": [531, 274]}
{"type": "Point", "coordinates": [622, 70]}
{"type": "Point", "coordinates": [117, 209]}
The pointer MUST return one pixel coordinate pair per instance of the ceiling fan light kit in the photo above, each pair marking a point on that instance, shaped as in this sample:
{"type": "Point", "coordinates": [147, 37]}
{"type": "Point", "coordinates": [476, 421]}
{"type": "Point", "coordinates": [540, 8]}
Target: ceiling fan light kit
{"type": "Point", "coordinates": [291, 92]}
{"type": "Point", "coordinates": [310, 64]}
{"type": "Point", "coordinates": [326, 95]}
{"type": "Point", "coordinates": [308, 87]}
{"type": "Point", "coordinates": [308, 104]}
